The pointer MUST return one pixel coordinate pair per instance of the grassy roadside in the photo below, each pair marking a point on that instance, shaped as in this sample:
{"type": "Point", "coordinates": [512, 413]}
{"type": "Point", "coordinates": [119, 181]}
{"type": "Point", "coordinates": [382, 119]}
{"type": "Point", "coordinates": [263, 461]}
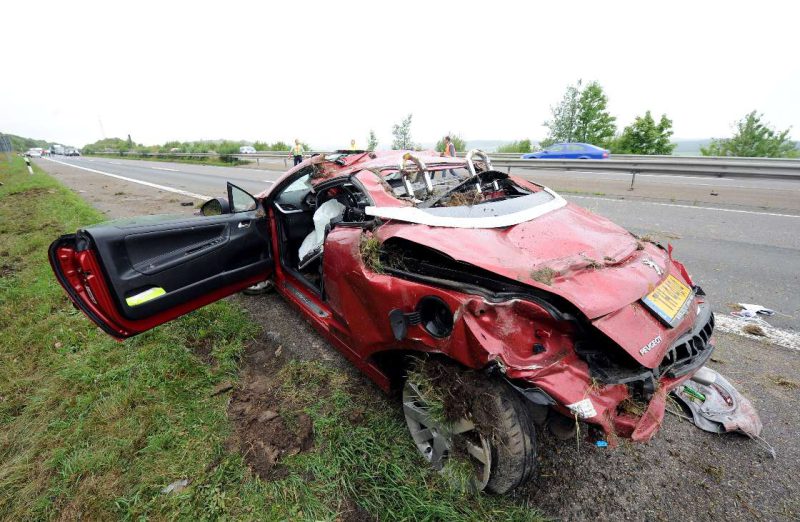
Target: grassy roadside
{"type": "Point", "coordinates": [95, 429]}
{"type": "Point", "coordinates": [194, 161]}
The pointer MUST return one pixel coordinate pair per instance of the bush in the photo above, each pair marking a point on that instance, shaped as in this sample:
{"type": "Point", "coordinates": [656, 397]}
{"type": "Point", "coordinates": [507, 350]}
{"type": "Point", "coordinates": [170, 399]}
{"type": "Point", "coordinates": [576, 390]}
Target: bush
{"type": "Point", "coordinates": [459, 143]}
{"type": "Point", "coordinates": [521, 146]}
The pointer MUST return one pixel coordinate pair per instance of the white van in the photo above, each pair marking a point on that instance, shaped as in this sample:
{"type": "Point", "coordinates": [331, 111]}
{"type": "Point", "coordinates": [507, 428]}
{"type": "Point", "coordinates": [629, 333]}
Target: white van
{"type": "Point", "coordinates": [247, 149]}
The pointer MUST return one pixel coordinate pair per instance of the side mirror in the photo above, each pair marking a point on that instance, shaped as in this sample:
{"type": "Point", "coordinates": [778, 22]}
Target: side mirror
{"type": "Point", "coordinates": [215, 207]}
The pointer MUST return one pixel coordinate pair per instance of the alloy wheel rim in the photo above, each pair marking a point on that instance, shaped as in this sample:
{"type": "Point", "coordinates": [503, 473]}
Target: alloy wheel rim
{"type": "Point", "coordinates": [437, 439]}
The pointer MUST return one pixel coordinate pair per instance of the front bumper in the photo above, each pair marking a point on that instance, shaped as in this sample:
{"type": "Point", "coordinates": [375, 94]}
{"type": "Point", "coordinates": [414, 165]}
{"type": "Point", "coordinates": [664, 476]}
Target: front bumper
{"type": "Point", "coordinates": [631, 406]}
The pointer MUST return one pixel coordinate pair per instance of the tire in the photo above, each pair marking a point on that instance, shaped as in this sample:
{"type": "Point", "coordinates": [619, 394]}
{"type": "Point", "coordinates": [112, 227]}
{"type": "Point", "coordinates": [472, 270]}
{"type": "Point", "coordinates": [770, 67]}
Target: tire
{"type": "Point", "coordinates": [514, 459]}
{"type": "Point", "coordinates": [502, 434]}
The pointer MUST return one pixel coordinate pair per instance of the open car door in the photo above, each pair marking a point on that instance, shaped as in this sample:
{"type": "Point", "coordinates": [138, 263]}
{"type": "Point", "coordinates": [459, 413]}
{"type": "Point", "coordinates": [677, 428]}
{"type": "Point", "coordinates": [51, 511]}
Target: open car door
{"type": "Point", "coordinates": [132, 275]}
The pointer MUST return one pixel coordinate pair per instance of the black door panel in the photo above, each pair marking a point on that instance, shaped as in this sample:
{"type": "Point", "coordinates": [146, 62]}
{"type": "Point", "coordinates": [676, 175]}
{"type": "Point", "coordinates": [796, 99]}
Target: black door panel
{"type": "Point", "coordinates": [151, 252]}
{"type": "Point", "coordinates": [185, 258]}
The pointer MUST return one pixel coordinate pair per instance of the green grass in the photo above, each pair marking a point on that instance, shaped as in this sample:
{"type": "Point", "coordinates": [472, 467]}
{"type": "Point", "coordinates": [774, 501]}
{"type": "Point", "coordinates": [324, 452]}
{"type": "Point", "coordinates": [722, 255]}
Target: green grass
{"type": "Point", "coordinates": [195, 161]}
{"type": "Point", "coordinates": [91, 428]}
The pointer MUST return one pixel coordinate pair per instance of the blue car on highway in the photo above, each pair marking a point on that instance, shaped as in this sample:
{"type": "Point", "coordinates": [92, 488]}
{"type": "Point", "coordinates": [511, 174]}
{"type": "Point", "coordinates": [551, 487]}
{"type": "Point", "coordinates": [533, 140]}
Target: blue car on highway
{"type": "Point", "coordinates": [569, 151]}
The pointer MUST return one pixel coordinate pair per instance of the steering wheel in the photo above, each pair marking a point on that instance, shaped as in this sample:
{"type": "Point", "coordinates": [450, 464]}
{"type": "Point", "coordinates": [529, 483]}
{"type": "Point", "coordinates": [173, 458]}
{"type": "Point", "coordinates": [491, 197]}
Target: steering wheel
{"type": "Point", "coordinates": [310, 200]}
{"type": "Point", "coordinates": [341, 194]}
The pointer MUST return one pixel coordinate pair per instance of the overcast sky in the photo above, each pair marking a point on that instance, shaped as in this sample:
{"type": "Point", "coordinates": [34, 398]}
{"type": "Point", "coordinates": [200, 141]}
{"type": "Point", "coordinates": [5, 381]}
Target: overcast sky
{"type": "Point", "coordinates": [329, 71]}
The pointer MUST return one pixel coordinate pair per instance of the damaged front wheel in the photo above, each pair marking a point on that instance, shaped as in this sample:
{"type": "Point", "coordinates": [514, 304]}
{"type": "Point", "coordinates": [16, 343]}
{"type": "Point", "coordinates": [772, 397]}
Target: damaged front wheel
{"type": "Point", "coordinates": [488, 442]}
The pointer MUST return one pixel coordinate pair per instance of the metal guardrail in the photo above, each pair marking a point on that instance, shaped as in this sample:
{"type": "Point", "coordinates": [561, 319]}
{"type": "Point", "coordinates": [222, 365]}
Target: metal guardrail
{"type": "Point", "coordinates": [788, 170]}
{"type": "Point", "coordinates": [708, 166]}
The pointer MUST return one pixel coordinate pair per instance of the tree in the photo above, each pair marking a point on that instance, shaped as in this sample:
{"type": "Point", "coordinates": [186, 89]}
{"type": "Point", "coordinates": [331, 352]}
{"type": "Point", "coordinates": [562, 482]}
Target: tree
{"type": "Point", "coordinates": [565, 115]}
{"type": "Point", "coordinates": [595, 124]}
{"type": "Point", "coordinates": [521, 146]}
{"type": "Point", "coordinates": [372, 142]}
{"type": "Point", "coordinates": [460, 144]}
{"type": "Point", "coordinates": [402, 135]}
{"type": "Point", "coordinates": [581, 116]}
{"type": "Point", "coordinates": [106, 144]}
{"type": "Point", "coordinates": [644, 136]}
{"type": "Point", "coordinates": [752, 138]}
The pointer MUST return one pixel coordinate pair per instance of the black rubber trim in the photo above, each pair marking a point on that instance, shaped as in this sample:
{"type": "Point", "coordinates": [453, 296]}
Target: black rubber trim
{"type": "Point", "coordinates": [497, 297]}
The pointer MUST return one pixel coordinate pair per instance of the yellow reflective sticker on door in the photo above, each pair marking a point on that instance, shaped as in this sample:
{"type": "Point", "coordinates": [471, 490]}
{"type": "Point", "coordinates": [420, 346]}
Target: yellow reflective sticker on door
{"type": "Point", "coordinates": [143, 297]}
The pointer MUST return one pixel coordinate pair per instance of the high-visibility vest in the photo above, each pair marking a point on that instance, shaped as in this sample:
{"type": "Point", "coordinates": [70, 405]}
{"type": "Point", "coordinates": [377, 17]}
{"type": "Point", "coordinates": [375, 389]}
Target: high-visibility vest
{"type": "Point", "coordinates": [447, 149]}
{"type": "Point", "coordinates": [297, 150]}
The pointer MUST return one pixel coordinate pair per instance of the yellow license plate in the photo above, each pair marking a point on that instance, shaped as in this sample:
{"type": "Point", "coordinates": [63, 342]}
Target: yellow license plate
{"type": "Point", "coordinates": [669, 301]}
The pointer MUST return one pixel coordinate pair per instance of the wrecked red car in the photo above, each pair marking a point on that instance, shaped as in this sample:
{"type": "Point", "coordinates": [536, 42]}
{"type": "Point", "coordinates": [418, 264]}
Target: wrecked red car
{"type": "Point", "coordinates": [398, 257]}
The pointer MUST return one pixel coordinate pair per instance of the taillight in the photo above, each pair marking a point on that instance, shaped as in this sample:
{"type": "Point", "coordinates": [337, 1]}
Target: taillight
{"type": "Point", "coordinates": [605, 154]}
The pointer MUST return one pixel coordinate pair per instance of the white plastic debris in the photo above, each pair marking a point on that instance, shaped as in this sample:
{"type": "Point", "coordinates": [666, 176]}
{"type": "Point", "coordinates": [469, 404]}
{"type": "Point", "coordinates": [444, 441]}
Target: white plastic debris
{"type": "Point", "coordinates": [753, 309]}
{"type": "Point", "coordinates": [176, 487]}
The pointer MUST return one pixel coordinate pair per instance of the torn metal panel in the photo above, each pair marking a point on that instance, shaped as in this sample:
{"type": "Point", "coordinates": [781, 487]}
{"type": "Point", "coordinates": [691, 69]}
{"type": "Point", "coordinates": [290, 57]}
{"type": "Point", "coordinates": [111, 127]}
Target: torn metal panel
{"type": "Point", "coordinates": [566, 242]}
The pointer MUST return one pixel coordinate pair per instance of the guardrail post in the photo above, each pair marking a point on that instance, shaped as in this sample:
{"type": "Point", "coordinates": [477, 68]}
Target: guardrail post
{"type": "Point", "coordinates": [28, 163]}
{"type": "Point", "coordinates": [633, 179]}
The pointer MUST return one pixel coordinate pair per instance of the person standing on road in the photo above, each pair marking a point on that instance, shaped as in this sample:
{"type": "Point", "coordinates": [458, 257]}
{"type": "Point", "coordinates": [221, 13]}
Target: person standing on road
{"type": "Point", "coordinates": [353, 145]}
{"type": "Point", "coordinates": [449, 152]}
{"type": "Point", "coordinates": [297, 152]}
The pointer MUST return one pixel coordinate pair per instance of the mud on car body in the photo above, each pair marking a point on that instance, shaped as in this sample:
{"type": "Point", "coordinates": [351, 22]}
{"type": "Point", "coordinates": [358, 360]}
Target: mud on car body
{"type": "Point", "coordinates": [552, 313]}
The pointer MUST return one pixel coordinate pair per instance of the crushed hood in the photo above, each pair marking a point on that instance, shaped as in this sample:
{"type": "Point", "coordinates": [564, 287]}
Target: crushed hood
{"type": "Point", "coordinates": [570, 252]}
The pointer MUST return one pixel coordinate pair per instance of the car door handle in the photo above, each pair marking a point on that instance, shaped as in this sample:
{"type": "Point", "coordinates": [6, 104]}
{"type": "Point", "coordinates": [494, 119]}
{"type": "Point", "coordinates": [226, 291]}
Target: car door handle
{"type": "Point", "coordinates": [244, 224]}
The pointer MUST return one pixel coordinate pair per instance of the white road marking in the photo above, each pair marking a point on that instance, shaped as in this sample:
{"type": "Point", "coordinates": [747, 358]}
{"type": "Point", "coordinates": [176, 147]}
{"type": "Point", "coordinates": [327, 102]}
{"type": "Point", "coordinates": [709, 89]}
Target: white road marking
{"type": "Point", "coordinates": [165, 168]}
{"type": "Point", "coordinates": [140, 182]}
{"type": "Point", "coordinates": [785, 338]}
{"type": "Point", "coordinates": [627, 175]}
{"type": "Point", "coordinates": [267, 181]}
{"type": "Point", "coordinates": [570, 196]}
{"type": "Point", "coordinates": [112, 162]}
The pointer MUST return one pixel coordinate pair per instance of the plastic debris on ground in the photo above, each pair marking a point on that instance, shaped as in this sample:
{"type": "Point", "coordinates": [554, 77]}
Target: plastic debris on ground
{"type": "Point", "coordinates": [750, 310]}
{"type": "Point", "coordinates": [717, 407]}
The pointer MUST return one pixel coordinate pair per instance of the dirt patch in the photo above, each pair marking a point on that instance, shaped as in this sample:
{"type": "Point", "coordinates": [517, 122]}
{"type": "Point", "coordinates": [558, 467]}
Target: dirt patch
{"type": "Point", "coordinates": [9, 267]}
{"type": "Point", "coordinates": [350, 511]}
{"type": "Point", "coordinates": [460, 199]}
{"type": "Point", "coordinates": [593, 264]}
{"type": "Point", "coordinates": [7, 270]}
{"type": "Point", "coordinates": [544, 275]}
{"type": "Point", "coordinates": [38, 191]}
{"type": "Point", "coordinates": [754, 329]}
{"type": "Point", "coordinates": [267, 424]}
{"type": "Point", "coordinates": [202, 348]}
{"type": "Point", "coordinates": [783, 382]}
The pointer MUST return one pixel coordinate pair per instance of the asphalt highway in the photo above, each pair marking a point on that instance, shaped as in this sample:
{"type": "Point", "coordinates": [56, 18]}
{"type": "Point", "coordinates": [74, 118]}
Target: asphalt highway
{"type": "Point", "coordinates": [738, 250]}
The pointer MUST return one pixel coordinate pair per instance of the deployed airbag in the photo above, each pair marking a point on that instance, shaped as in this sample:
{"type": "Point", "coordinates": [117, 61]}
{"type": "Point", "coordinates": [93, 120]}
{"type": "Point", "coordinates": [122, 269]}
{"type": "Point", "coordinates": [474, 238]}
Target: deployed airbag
{"type": "Point", "coordinates": [312, 244]}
